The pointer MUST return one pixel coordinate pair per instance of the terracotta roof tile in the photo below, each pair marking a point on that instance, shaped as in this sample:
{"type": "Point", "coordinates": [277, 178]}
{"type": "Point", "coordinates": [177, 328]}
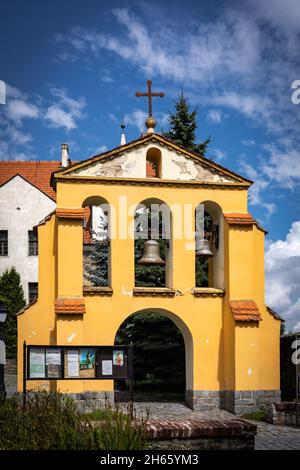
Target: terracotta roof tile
{"type": "Point", "coordinates": [239, 219]}
{"type": "Point", "coordinates": [70, 213]}
{"type": "Point", "coordinates": [242, 219]}
{"type": "Point", "coordinates": [69, 306]}
{"type": "Point", "coordinates": [36, 173]}
{"type": "Point", "coordinates": [244, 310]}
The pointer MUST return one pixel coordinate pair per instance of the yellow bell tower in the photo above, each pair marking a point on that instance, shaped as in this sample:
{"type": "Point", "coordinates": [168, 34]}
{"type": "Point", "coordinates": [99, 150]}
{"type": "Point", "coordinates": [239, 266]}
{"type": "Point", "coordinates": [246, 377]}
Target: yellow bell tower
{"type": "Point", "coordinates": [231, 338]}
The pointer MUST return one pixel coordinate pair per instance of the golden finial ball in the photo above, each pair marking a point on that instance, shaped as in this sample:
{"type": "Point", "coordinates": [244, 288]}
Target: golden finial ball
{"type": "Point", "coordinates": [150, 122]}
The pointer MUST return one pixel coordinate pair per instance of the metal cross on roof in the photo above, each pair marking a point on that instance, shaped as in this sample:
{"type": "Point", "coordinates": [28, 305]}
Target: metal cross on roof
{"type": "Point", "coordinates": [149, 94]}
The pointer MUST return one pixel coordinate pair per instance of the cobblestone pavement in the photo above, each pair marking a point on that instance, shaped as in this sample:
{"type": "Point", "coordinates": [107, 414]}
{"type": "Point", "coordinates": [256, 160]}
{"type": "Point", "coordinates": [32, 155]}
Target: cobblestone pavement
{"type": "Point", "coordinates": [269, 437]}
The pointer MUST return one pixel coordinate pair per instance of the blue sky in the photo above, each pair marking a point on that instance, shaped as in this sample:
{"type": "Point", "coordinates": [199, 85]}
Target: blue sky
{"type": "Point", "coordinates": [72, 68]}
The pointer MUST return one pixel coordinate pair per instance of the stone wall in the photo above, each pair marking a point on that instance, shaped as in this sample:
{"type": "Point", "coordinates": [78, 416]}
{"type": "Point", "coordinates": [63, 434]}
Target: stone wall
{"type": "Point", "coordinates": [282, 413]}
{"type": "Point", "coordinates": [90, 401]}
{"type": "Point", "coordinates": [10, 367]}
{"type": "Point", "coordinates": [237, 402]}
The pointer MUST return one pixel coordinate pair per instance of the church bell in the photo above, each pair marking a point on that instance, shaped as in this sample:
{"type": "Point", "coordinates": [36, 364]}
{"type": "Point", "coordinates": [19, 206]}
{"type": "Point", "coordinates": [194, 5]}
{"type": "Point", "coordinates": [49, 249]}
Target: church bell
{"type": "Point", "coordinates": [203, 248]}
{"type": "Point", "coordinates": [151, 254]}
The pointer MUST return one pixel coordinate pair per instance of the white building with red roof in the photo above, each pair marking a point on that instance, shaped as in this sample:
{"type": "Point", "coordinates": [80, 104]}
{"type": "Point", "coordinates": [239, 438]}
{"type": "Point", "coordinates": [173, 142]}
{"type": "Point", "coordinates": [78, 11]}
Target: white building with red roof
{"type": "Point", "coordinates": [26, 197]}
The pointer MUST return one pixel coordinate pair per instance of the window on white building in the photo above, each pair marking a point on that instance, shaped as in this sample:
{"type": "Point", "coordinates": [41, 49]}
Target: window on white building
{"type": "Point", "coordinates": [3, 243]}
{"type": "Point", "coordinates": [32, 291]}
{"type": "Point", "coordinates": [32, 243]}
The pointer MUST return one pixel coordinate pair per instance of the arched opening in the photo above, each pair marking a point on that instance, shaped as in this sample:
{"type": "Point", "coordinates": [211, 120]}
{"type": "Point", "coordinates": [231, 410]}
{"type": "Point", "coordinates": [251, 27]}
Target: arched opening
{"type": "Point", "coordinates": [153, 163]}
{"type": "Point", "coordinates": [153, 244]}
{"type": "Point", "coordinates": [209, 253]}
{"type": "Point", "coordinates": [96, 242]}
{"type": "Point", "coordinates": [162, 356]}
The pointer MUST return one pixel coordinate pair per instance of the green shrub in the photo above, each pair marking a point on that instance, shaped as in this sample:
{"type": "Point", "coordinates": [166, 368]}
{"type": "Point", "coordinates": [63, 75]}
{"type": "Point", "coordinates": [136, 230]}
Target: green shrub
{"type": "Point", "coordinates": [255, 415]}
{"type": "Point", "coordinates": [117, 429]}
{"type": "Point", "coordinates": [51, 421]}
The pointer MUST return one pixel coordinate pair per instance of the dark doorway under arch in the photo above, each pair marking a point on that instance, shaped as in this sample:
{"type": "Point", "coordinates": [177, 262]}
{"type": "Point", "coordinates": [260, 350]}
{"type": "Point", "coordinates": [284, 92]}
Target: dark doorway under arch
{"type": "Point", "coordinates": [158, 358]}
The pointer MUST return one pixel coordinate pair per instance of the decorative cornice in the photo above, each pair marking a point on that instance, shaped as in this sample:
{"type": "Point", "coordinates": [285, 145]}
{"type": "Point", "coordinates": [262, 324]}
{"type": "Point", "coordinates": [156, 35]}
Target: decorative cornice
{"type": "Point", "coordinates": [153, 292]}
{"type": "Point", "coordinates": [69, 306]}
{"type": "Point", "coordinates": [150, 182]}
{"type": "Point", "coordinates": [245, 310]}
{"type": "Point", "coordinates": [207, 292]}
{"type": "Point", "coordinates": [145, 140]}
{"type": "Point", "coordinates": [98, 291]}
{"type": "Point", "coordinates": [70, 213]}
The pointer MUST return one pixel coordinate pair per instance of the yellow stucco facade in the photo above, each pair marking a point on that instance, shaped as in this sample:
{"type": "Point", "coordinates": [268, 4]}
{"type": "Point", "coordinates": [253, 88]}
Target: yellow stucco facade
{"type": "Point", "coordinates": [228, 361]}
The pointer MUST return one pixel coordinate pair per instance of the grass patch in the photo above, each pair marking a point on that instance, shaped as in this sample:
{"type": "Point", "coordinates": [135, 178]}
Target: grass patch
{"type": "Point", "coordinates": [255, 415]}
{"type": "Point", "coordinates": [50, 421]}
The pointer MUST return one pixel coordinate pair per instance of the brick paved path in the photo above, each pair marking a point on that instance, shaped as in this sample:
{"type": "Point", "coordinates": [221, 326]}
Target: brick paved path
{"type": "Point", "coordinates": [269, 437]}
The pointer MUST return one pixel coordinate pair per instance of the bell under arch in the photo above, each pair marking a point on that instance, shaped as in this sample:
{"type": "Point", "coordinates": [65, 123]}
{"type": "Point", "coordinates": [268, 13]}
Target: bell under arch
{"type": "Point", "coordinates": [210, 256]}
{"type": "Point", "coordinates": [153, 244]}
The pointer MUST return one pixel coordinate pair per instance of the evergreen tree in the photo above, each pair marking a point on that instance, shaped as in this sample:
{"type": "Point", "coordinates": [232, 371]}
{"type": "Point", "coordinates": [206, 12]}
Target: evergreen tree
{"type": "Point", "coordinates": [12, 294]}
{"type": "Point", "coordinates": [96, 269]}
{"type": "Point", "coordinates": [183, 127]}
{"type": "Point", "coordinates": [158, 351]}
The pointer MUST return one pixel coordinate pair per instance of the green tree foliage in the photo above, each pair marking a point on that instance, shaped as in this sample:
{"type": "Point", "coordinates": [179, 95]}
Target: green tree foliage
{"type": "Point", "coordinates": [201, 271]}
{"type": "Point", "coordinates": [158, 345]}
{"type": "Point", "coordinates": [96, 269]}
{"type": "Point", "coordinates": [183, 126]}
{"type": "Point", "coordinates": [12, 293]}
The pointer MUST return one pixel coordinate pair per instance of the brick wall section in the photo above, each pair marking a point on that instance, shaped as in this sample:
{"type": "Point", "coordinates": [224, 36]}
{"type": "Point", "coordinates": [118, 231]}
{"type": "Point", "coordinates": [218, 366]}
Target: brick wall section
{"type": "Point", "coordinates": [234, 434]}
{"type": "Point", "coordinates": [87, 238]}
{"type": "Point", "coordinates": [195, 428]}
{"type": "Point", "coordinates": [150, 169]}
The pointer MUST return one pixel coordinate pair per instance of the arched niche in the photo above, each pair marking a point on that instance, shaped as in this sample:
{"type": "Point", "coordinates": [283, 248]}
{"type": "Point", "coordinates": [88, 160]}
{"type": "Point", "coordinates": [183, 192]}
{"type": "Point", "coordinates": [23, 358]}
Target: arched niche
{"type": "Point", "coordinates": [214, 214]}
{"type": "Point", "coordinates": [96, 242]}
{"type": "Point", "coordinates": [154, 214]}
{"type": "Point", "coordinates": [153, 163]}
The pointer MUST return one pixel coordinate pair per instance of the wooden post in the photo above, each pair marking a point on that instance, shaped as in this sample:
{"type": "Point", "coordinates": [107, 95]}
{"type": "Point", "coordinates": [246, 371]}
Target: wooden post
{"type": "Point", "coordinates": [24, 372]}
{"type": "Point", "coordinates": [130, 351]}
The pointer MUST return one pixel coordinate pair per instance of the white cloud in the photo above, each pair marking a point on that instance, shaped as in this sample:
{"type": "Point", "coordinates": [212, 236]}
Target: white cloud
{"type": "Point", "coordinates": [18, 109]}
{"type": "Point", "coordinates": [214, 116]}
{"type": "Point", "coordinates": [66, 111]}
{"type": "Point", "coordinates": [243, 51]}
{"type": "Point", "coordinates": [283, 165]}
{"type": "Point", "coordinates": [255, 193]}
{"type": "Point", "coordinates": [282, 262]}
{"type": "Point", "coordinates": [217, 154]}
{"type": "Point", "coordinates": [248, 142]}
{"type": "Point", "coordinates": [137, 118]}
{"type": "Point", "coordinates": [57, 117]}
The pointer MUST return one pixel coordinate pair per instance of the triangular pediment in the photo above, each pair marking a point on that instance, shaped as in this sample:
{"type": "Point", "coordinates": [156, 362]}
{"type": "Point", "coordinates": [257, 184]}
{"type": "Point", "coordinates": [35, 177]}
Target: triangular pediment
{"type": "Point", "coordinates": [129, 161]}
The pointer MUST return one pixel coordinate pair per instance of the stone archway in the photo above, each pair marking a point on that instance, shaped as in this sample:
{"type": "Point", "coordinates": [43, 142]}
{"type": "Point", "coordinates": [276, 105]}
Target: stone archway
{"type": "Point", "coordinates": [185, 362]}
